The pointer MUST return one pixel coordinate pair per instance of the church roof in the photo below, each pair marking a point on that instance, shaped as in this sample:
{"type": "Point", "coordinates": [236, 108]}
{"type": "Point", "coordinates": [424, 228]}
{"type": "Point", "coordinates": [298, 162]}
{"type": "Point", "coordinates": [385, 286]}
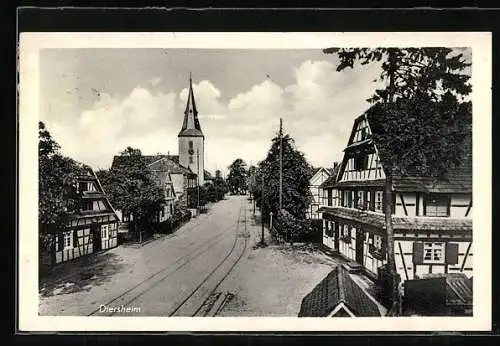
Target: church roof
{"type": "Point", "coordinates": [191, 125]}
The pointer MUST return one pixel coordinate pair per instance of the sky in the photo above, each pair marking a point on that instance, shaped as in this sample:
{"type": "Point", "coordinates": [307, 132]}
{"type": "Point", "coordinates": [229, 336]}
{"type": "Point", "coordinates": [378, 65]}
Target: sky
{"type": "Point", "coordinates": [96, 102]}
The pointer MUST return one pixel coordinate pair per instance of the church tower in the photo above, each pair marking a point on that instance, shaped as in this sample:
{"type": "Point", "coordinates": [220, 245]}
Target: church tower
{"type": "Point", "coordinates": [191, 138]}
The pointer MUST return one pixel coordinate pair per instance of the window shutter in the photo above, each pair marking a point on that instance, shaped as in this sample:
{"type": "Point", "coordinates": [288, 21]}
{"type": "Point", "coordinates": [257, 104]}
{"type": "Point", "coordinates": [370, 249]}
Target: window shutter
{"type": "Point", "coordinates": [418, 253]}
{"type": "Point", "coordinates": [60, 241]}
{"type": "Point", "coordinates": [452, 253]}
{"type": "Point", "coordinates": [75, 238]}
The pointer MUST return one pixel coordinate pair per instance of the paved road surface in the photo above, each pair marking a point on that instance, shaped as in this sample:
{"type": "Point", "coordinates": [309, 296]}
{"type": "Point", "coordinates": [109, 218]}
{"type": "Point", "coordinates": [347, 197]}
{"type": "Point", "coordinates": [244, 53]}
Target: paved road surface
{"type": "Point", "coordinates": [171, 276]}
{"type": "Point", "coordinates": [210, 266]}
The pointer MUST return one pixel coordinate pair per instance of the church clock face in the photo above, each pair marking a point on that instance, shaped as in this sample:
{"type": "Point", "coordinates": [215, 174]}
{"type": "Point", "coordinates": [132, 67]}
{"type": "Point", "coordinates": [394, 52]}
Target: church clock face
{"type": "Point", "coordinates": [191, 151]}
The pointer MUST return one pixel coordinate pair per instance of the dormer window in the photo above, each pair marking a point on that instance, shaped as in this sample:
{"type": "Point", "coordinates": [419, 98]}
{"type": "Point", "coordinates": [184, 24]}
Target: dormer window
{"type": "Point", "coordinates": [437, 205]}
{"type": "Point", "coordinates": [82, 186]}
{"type": "Point", "coordinates": [364, 133]}
{"type": "Point", "coordinates": [361, 162]}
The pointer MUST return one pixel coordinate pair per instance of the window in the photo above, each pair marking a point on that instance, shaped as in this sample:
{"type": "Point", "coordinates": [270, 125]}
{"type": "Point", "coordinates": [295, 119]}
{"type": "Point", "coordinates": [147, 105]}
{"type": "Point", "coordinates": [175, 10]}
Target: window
{"type": "Point", "coordinates": [68, 240]}
{"type": "Point", "coordinates": [171, 209]}
{"type": "Point", "coordinates": [163, 212]}
{"type": "Point", "coordinates": [104, 232]}
{"type": "Point", "coordinates": [360, 200]}
{"type": "Point", "coordinates": [437, 205]}
{"type": "Point", "coordinates": [433, 252]}
{"type": "Point", "coordinates": [379, 197]}
{"type": "Point", "coordinates": [82, 186]}
{"type": "Point", "coordinates": [361, 162]}
{"type": "Point", "coordinates": [347, 198]}
{"type": "Point", "coordinates": [364, 133]}
{"type": "Point", "coordinates": [330, 197]}
{"type": "Point", "coordinates": [329, 229]}
{"type": "Point", "coordinates": [368, 200]}
{"type": "Point", "coordinates": [377, 242]}
{"type": "Point", "coordinates": [190, 144]}
{"type": "Point", "coordinates": [191, 159]}
{"type": "Point", "coordinates": [88, 205]}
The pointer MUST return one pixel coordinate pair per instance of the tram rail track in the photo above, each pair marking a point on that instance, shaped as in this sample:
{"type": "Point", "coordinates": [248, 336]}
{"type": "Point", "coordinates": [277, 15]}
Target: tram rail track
{"type": "Point", "coordinates": [179, 263]}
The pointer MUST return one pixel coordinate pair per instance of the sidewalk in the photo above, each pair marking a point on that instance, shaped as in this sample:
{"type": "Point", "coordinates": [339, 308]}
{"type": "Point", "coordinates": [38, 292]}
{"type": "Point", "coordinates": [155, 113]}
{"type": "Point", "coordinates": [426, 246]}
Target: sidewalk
{"type": "Point", "coordinates": [272, 280]}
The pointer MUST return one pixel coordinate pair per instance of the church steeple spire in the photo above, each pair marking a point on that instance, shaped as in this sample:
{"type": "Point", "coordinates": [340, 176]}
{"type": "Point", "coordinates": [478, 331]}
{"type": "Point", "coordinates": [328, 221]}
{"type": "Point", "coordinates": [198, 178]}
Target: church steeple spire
{"type": "Point", "coordinates": [191, 125]}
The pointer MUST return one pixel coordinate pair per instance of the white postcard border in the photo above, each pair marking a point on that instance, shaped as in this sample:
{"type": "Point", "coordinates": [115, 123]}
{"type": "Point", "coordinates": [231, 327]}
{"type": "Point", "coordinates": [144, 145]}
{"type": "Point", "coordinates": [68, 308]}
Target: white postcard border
{"type": "Point", "coordinates": [31, 43]}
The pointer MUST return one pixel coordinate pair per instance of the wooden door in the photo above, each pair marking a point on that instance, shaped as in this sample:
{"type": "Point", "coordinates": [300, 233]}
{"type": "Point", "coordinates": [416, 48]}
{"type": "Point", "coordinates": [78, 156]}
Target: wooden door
{"type": "Point", "coordinates": [96, 237]}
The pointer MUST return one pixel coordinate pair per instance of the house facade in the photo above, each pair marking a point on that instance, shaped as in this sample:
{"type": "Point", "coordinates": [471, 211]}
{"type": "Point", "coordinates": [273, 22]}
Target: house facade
{"type": "Point", "coordinates": [93, 228]}
{"type": "Point", "coordinates": [431, 218]}
{"type": "Point", "coordinates": [175, 180]}
{"type": "Point", "coordinates": [319, 177]}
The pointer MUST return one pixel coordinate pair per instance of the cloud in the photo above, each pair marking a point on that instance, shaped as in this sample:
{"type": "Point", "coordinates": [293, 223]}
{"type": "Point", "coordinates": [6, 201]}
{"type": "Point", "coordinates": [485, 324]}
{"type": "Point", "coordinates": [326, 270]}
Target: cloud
{"type": "Point", "coordinates": [318, 108]}
{"type": "Point", "coordinates": [141, 120]}
{"type": "Point", "coordinates": [155, 81]}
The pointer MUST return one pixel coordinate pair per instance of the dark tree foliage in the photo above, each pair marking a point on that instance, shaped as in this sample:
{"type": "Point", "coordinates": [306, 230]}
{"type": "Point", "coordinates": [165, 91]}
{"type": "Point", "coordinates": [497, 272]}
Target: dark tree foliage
{"type": "Point", "coordinates": [420, 118]}
{"type": "Point", "coordinates": [237, 178]}
{"type": "Point", "coordinates": [132, 189]}
{"type": "Point", "coordinates": [57, 187]}
{"type": "Point", "coordinates": [296, 175]}
{"type": "Point", "coordinates": [410, 71]}
{"type": "Point", "coordinates": [427, 138]}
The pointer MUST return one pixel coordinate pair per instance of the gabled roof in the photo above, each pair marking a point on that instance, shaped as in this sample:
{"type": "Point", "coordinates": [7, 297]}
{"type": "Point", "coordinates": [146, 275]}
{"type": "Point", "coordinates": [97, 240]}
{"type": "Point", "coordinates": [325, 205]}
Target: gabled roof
{"type": "Point", "coordinates": [87, 174]}
{"type": "Point", "coordinates": [160, 162]}
{"type": "Point", "coordinates": [336, 288]}
{"type": "Point", "coordinates": [163, 163]}
{"type": "Point", "coordinates": [456, 180]}
{"type": "Point", "coordinates": [321, 169]}
{"type": "Point", "coordinates": [453, 289]}
{"type": "Point", "coordinates": [207, 175]}
{"type": "Point", "coordinates": [331, 180]}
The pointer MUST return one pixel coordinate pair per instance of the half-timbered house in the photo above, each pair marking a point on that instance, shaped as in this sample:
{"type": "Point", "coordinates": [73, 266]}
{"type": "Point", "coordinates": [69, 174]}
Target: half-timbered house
{"type": "Point", "coordinates": [93, 228]}
{"type": "Point", "coordinates": [319, 176]}
{"type": "Point", "coordinates": [175, 180]}
{"type": "Point", "coordinates": [431, 218]}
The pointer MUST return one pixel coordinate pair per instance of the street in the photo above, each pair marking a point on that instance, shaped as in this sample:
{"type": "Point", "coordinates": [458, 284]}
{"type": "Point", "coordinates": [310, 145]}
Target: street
{"type": "Point", "coordinates": [210, 266]}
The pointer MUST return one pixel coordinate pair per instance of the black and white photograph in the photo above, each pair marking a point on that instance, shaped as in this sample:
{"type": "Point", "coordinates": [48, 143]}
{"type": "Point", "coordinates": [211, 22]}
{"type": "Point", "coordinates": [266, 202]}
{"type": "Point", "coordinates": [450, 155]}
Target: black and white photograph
{"type": "Point", "coordinates": [238, 178]}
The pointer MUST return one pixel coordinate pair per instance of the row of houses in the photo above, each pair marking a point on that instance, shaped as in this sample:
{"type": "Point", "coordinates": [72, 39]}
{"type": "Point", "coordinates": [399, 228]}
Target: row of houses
{"type": "Point", "coordinates": [432, 219]}
{"type": "Point", "coordinates": [97, 225]}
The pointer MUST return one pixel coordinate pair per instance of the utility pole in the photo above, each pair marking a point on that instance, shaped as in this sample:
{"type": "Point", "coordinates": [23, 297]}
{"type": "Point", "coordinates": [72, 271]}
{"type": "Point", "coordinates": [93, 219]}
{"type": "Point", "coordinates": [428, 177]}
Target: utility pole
{"type": "Point", "coordinates": [281, 163]}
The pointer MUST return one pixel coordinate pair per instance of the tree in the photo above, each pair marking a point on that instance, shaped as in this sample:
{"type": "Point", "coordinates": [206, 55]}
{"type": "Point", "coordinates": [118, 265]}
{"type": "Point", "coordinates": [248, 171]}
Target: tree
{"type": "Point", "coordinates": [237, 178]}
{"type": "Point", "coordinates": [220, 185]}
{"type": "Point", "coordinates": [296, 175]}
{"type": "Point", "coordinates": [132, 189]}
{"type": "Point", "coordinates": [418, 116]}
{"type": "Point", "coordinates": [57, 188]}
{"type": "Point", "coordinates": [252, 180]}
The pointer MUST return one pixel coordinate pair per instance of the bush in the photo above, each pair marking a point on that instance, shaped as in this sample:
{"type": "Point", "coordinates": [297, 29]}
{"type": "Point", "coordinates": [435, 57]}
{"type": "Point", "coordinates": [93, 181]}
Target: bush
{"type": "Point", "coordinates": [292, 229]}
{"type": "Point", "coordinates": [176, 220]}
